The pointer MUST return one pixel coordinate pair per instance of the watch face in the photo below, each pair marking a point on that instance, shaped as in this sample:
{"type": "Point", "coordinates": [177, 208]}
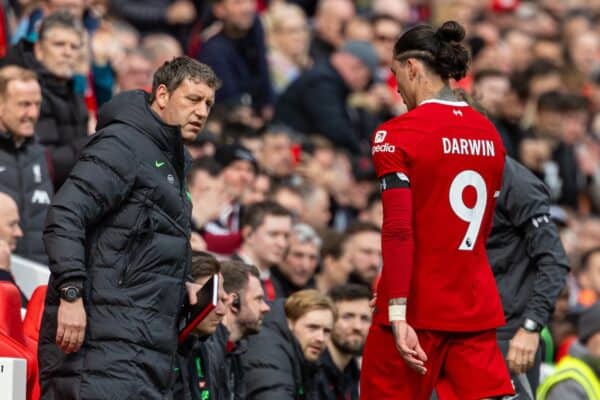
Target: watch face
{"type": "Point", "coordinates": [71, 294]}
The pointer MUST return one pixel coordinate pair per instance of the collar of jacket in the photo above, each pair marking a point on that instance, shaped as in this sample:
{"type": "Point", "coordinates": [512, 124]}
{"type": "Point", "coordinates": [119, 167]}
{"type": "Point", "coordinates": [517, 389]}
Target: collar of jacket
{"type": "Point", "coordinates": [7, 142]}
{"type": "Point", "coordinates": [132, 108]}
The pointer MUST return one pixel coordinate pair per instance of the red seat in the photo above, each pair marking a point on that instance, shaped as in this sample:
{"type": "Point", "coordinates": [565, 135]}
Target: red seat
{"type": "Point", "coordinates": [33, 318]}
{"type": "Point", "coordinates": [12, 348]}
{"type": "Point", "coordinates": [10, 312]}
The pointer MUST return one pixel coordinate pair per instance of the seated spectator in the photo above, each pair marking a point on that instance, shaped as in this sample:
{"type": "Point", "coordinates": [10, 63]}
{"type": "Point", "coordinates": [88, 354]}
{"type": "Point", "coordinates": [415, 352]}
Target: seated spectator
{"type": "Point", "coordinates": [265, 230]}
{"type": "Point", "coordinates": [243, 317]}
{"type": "Point", "coordinates": [238, 172]}
{"type": "Point", "coordinates": [63, 123]}
{"type": "Point", "coordinates": [340, 373]}
{"type": "Point", "coordinates": [10, 233]}
{"type": "Point", "coordinates": [577, 376]}
{"type": "Point", "coordinates": [135, 71]}
{"type": "Point", "coordinates": [373, 212]}
{"type": "Point", "coordinates": [316, 101]}
{"type": "Point", "coordinates": [335, 268]}
{"type": "Point", "coordinates": [316, 211]}
{"type": "Point", "coordinates": [160, 48]}
{"type": "Point", "coordinates": [259, 190]}
{"type": "Point", "coordinates": [25, 173]}
{"type": "Point", "coordinates": [297, 270]}
{"type": "Point", "coordinates": [330, 18]}
{"type": "Point", "coordinates": [358, 28]}
{"type": "Point", "coordinates": [288, 38]}
{"type": "Point", "coordinates": [362, 250]}
{"type": "Point", "coordinates": [193, 357]}
{"type": "Point", "coordinates": [235, 48]}
{"type": "Point", "coordinates": [280, 363]}
{"type": "Point", "coordinates": [289, 197]}
{"type": "Point", "coordinates": [588, 277]}
{"type": "Point", "coordinates": [276, 153]}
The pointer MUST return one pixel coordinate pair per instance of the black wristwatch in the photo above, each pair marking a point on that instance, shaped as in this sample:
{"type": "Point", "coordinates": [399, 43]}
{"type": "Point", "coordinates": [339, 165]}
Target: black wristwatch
{"type": "Point", "coordinates": [70, 293]}
{"type": "Point", "coordinates": [531, 326]}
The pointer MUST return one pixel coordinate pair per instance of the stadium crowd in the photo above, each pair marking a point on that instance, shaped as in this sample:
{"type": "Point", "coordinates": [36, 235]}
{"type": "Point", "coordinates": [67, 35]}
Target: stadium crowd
{"type": "Point", "coordinates": [286, 205]}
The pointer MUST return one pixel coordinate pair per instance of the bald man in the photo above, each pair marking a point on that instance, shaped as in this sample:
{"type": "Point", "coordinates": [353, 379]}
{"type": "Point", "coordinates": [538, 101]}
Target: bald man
{"type": "Point", "coordinates": [331, 19]}
{"type": "Point", "coordinates": [10, 232]}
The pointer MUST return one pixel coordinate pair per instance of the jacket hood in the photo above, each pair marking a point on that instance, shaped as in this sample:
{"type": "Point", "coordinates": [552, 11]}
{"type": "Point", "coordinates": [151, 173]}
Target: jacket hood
{"type": "Point", "coordinates": [578, 350]}
{"type": "Point", "coordinates": [132, 108]}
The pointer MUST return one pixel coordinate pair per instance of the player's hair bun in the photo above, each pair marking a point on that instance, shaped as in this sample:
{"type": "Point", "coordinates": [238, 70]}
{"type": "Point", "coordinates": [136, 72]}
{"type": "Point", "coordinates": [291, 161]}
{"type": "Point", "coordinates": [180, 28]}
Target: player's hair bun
{"type": "Point", "coordinates": [452, 58]}
{"type": "Point", "coordinates": [450, 31]}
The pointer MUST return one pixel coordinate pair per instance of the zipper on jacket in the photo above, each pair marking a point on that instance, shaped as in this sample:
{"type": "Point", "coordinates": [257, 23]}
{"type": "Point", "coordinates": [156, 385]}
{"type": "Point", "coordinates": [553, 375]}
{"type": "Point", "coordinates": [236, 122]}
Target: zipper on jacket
{"type": "Point", "coordinates": [128, 248]}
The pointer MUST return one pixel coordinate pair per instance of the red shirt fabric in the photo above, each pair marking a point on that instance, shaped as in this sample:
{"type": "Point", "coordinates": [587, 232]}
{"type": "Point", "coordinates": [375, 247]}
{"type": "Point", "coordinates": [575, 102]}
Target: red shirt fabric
{"type": "Point", "coordinates": [454, 159]}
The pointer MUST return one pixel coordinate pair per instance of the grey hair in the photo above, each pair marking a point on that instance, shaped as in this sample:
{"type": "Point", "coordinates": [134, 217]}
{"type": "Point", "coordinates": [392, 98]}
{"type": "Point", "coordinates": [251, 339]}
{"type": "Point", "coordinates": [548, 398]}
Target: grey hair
{"type": "Point", "coordinates": [306, 234]}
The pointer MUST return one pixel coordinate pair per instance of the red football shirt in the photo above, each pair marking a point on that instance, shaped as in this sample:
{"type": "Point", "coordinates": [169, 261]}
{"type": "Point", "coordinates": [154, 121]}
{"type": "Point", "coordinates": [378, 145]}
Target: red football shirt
{"type": "Point", "coordinates": [454, 159]}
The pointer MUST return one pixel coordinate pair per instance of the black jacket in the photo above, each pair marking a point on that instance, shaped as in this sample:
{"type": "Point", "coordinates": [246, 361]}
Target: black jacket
{"type": "Point", "coordinates": [315, 103]}
{"type": "Point", "coordinates": [120, 225]}
{"type": "Point", "coordinates": [226, 367]}
{"type": "Point", "coordinates": [524, 250]}
{"type": "Point", "coordinates": [24, 176]}
{"type": "Point", "coordinates": [283, 287]}
{"type": "Point", "coordinates": [62, 126]}
{"type": "Point", "coordinates": [335, 384]}
{"type": "Point", "coordinates": [274, 365]}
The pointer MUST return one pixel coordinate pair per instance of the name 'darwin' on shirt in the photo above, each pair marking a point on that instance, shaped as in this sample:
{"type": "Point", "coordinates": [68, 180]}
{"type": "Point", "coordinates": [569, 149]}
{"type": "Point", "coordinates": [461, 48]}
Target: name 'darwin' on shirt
{"type": "Point", "coordinates": [469, 147]}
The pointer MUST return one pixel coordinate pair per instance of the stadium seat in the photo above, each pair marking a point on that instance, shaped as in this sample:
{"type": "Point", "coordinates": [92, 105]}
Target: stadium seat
{"type": "Point", "coordinates": [12, 348]}
{"type": "Point", "coordinates": [33, 318]}
{"type": "Point", "coordinates": [11, 324]}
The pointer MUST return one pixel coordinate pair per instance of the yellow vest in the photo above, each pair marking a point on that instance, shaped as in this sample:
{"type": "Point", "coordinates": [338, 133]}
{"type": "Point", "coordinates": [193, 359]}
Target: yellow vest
{"type": "Point", "coordinates": [572, 368]}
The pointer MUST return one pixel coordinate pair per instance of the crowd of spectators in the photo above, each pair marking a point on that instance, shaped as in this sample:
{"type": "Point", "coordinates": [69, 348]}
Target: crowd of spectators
{"type": "Point", "coordinates": [282, 177]}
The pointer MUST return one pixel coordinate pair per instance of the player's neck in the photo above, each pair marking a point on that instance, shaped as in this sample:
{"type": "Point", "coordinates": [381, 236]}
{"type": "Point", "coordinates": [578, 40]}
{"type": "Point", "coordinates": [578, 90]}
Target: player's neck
{"type": "Point", "coordinates": [339, 358]}
{"type": "Point", "coordinates": [436, 91]}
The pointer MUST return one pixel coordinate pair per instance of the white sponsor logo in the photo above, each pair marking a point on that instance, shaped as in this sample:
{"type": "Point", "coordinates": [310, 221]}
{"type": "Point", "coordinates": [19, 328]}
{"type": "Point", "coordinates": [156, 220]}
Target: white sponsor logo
{"type": "Point", "coordinates": [380, 136]}
{"type": "Point", "coordinates": [37, 173]}
{"type": "Point", "coordinates": [383, 148]}
{"type": "Point", "coordinates": [171, 179]}
{"type": "Point", "coordinates": [40, 197]}
{"type": "Point", "coordinates": [457, 113]}
{"type": "Point", "coordinates": [402, 177]}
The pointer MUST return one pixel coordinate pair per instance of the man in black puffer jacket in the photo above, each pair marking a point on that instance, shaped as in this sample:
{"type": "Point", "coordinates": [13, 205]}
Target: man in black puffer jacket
{"type": "Point", "coordinates": [63, 123]}
{"type": "Point", "coordinates": [117, 236]}
{"type": "Point", "coordinates": [281, 361]}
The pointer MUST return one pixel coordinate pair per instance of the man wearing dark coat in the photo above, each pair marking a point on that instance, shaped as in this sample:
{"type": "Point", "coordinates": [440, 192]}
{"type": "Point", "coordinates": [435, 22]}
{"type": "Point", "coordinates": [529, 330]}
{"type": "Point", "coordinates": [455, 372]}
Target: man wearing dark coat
{"type": "Point", "coordinates": [117, 237]}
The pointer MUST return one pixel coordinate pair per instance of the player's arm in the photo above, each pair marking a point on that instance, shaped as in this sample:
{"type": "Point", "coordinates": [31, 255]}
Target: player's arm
{"type": "Point", "coordinates": [397, 241]}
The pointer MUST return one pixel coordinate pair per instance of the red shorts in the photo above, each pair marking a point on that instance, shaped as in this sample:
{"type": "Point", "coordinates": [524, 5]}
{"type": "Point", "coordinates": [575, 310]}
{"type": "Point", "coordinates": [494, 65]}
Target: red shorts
{"type": "Point", "coordinates": [470, 365]}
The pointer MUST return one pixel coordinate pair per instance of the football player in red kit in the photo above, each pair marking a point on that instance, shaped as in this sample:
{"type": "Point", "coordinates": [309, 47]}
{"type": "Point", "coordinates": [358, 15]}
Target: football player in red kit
{"type": "Point", "coordinates": [440, 168]}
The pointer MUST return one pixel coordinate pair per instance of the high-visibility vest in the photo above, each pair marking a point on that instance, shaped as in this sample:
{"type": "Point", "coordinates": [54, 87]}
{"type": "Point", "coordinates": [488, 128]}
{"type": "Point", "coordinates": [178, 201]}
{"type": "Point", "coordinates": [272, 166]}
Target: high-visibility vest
{"type": "Point", "coordinates": [572, 368]}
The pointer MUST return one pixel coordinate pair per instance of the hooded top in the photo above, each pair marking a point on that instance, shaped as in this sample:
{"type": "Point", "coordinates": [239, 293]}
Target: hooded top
{"type": "Point", "coordinates": [119, 227]}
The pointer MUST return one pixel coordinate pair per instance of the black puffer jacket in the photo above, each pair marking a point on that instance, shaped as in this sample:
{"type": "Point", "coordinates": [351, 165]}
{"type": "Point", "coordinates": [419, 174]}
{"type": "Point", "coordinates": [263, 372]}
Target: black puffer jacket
{"type": "Point", "coordinates": [274, 365]}
{"type": "Point", "coordinates": [24, 176]}
{"type": "Point", "coordinates": [120, 223]}
{"type": "Point", "coordinates": [62, 126]}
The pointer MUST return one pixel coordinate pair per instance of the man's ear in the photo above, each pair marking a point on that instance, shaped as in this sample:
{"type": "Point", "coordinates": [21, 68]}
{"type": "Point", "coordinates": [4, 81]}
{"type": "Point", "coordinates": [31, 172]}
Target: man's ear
{"type": "Point", "coordinates": [246, 232]}
{"type": "Point", "coordinates": [162, 96]}
{"type": "Point", "coordinates": [290, 324]}
{"type": "Point", "coordinates": [37, 50]}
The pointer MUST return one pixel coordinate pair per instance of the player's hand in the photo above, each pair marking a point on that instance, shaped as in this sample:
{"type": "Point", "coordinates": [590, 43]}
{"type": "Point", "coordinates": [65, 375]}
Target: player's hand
{"type": "Point", "coordinates": [521, 351]}
{"type": "Point", "coordinates": [70, 330]}
{"type": "Point", "coordinates": [407, 343]}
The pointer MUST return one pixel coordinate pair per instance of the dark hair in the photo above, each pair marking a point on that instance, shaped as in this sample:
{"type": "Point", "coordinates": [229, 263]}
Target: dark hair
{"type": "Point", "coordinates": [439, 49]}
{"type": "Point", "coordinates": [60, 19]}
{"type": "Point", "coordinates": [360, 227]}
{"type": "Point", "coordinates": [552, 100]}
{"type": "Point", "coordinates": [540, 67]}
{"type": "Point", "coordinates": [256, 213]}
{"type": "Point", "coordinates": [350, 292]}
{"type": "Point", "coordinates": [207, 164]}
{"type": "Point", "coordinates": [236, 275]}
{"type": "Point", "coordinates": [173, 73]}
{"type": "Point", "coordinates": [332, 244]}
{"type": "Point", "coordinates": [204, 265]}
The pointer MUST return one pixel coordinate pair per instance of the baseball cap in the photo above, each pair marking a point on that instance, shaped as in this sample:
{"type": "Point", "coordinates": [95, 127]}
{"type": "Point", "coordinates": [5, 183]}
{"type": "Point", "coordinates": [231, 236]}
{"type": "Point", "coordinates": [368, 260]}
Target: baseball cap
{"type": "Point", "coordinates": [228, 153]}
{"type": "Point", "coordinates": [365, 52]}
{"type": "Point", "coordinates": [589, 322]}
